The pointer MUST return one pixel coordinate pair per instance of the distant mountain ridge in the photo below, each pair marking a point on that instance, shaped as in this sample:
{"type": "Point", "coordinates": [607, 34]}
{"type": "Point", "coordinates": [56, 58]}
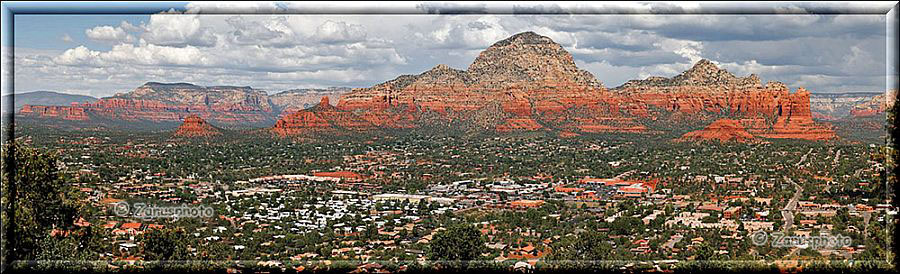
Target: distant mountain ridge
{"type": "Point", "coordinates": [229, 106]}
{"type": "Point", "coordinates": [43, 97]}
{"type": "Point", "coordinates": [835, 106]}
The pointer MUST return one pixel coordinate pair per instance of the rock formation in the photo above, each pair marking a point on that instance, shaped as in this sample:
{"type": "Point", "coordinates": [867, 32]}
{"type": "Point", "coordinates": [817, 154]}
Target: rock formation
{"type": "Point", "coordinates": [172, 102]}
{"type": "Point", "coordinates": [321, 118]}
{"type": "Point", "coordinates": [60, 112]}
{"type": "Point", "coordinates": [876, 105]}
{"type": "Point", "coordinates": [521, 83]}
{"type": "Point", "coordinates": [194, 126]}
{"type": "Point", "coordinates": [721, 130]}
{"type": "Point", "coordinates": [290, 101]}
{"type": "Point", "coordinates": [836, 106]}
{"type": "Point", "coordinates": [769, 111]}
{"type": "Point", "coordinates": [526, 82]}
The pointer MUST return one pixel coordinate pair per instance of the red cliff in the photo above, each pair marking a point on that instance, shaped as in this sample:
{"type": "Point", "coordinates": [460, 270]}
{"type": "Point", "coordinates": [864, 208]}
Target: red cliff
{"type": "Point", "coordinates": [59, 112]}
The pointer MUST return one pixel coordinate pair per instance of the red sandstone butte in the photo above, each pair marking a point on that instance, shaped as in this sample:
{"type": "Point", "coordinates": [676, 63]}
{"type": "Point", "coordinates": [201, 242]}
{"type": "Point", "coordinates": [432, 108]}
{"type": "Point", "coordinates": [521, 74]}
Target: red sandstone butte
{"type": "Point", "coordinates": [194, 126]}
{"type": "Point", "coordinates": [722, 130]}
{"type": "Point", "coordinates": [526, 82]}
{"type": "Point", "coordinates": [323, 118]}
{"type": "Point", "coordinates": [521, 83]}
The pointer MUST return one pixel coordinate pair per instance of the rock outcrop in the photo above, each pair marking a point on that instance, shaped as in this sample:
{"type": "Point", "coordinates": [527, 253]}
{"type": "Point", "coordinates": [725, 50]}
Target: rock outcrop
{"type": "Point", "coordinates": [837, 106]}
{"type": "Point", "coordinates": [793, 121]}
{"type": "Point", "coordinates": [876, 105]}
{"type": "Point", "coordinates": [172, 102]}
{"type": "Point", "coordinates": [290, 101]}
{"type": "Point", "coordinates": [721, 130]}
{"type": "Point", "coordinates": [194, 126]}
{"type": "Point", "coordinates": [526, 82]}
{"type": "Point", "coordinates": [321, 118]}
{"type": "Point", "coordinates": [73, 112]}
{"type": "Point", "coordinates": [769, 111]}
{"type": "Point", "coordinates": [523, 83]}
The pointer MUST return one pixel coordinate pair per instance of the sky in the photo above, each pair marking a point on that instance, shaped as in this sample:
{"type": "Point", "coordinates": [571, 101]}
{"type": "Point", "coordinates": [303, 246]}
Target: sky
{"type": "Point", "coordinates": [100, 55]}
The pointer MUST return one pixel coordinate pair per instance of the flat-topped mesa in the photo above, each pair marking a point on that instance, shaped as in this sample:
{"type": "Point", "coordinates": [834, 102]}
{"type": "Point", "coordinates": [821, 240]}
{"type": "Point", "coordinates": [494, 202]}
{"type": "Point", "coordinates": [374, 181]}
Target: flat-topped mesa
{"type": "Point", "coordinates": [530, 60]}
{"type": "Point", "coordinates": [877, 105]}
{"type": "Point", "coordinates": [73, 112]}
{"type": "Point", "coordinates": [194, 126]}
{"type": "Point", "coordinates": [227, 98]}
{"type": "Point", "coordinates": [169, 102]}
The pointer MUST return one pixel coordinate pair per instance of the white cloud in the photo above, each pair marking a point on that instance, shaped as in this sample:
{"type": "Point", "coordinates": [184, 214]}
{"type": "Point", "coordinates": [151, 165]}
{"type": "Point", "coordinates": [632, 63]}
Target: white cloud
{"type": "Point", "coordinates": [340, 32]}
{"type": "Point", "coordinates": [178, 30]}
{"type": "Point", "coordinates": [277, 52]}
{"type": "Point", "coordinates": [108, 34]}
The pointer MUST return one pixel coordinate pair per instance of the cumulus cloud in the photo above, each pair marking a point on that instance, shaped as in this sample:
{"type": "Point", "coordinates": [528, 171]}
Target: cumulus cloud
{"type": "Point", "coordinates": [340, 32]}
{"type": "Point", "coordinates": [178, 30]}
{"type": "Point", "coordinates": [277, 52]}
{"type": "Point", "coordinates": [108, 34]}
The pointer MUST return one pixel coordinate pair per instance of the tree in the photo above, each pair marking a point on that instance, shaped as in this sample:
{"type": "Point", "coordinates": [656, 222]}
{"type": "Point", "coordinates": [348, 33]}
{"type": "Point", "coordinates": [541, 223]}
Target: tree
{"type": "Point", "coordinates": [703, 252]}
{"type": "Point", "coordinates": [164, 245]}
{"type": "Point", "coordinates": [38, 202]}
{"type": "Point", "coordinates": [461, 242]}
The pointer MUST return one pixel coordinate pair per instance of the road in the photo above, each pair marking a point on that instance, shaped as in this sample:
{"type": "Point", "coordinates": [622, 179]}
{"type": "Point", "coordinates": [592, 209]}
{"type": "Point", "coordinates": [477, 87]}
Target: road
{"type": "Point", "coordinates": [804, 157]}
{"type": "Point", "coordinates": [788, 212]}
{"type": "Point", "coordinates": [624, 174]}
{"type": "Point", "coordinates": [867, 215]}
{"type": "Point", "coordinates": [837, 158]}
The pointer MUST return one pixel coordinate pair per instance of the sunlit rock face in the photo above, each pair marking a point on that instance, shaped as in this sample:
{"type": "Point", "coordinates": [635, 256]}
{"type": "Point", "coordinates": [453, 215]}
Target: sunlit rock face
{"type": "Point", "coordinates": [526, 82]}
{"type": "Point", "coordinates": [722, 130]}
{"type": "Point", "coordinates": [194, 126]}
{"type": "Point", "coordinates": [161, 102]}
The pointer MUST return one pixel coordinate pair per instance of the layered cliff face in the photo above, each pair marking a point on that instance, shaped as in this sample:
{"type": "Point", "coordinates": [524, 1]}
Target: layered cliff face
{"type": "Point", "coordinates": [876, 105]}
{"type": "Point", "coordinates": [194, 126]}
{"type": "Point", "coordinates": [523, 83]}
{"type": "Point", "coordinates": [527, 82]}
{"type": "Point", "coordinates": [769, 111]}
{"type": "Point", "coordinates": [321, 118]}
{"type": "Point", "coordinates": [73, 112]}
{"type": "Point", "coordinates": [836, 106]}
{"type": "Point", "coordinates": [794, 121]}
{"type": "Point", "coordinates": [160, 102]}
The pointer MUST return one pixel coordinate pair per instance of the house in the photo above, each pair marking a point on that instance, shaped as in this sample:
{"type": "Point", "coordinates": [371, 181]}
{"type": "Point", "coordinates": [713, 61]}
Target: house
{"type": "Point", "coordinates": [710, 208]}
{"type": "Point", "coordinates": [732, 212]}
{"type": "Point", "coordinates": [525, 204]}
{"type": "Point", "coordinates": [343, 175]}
